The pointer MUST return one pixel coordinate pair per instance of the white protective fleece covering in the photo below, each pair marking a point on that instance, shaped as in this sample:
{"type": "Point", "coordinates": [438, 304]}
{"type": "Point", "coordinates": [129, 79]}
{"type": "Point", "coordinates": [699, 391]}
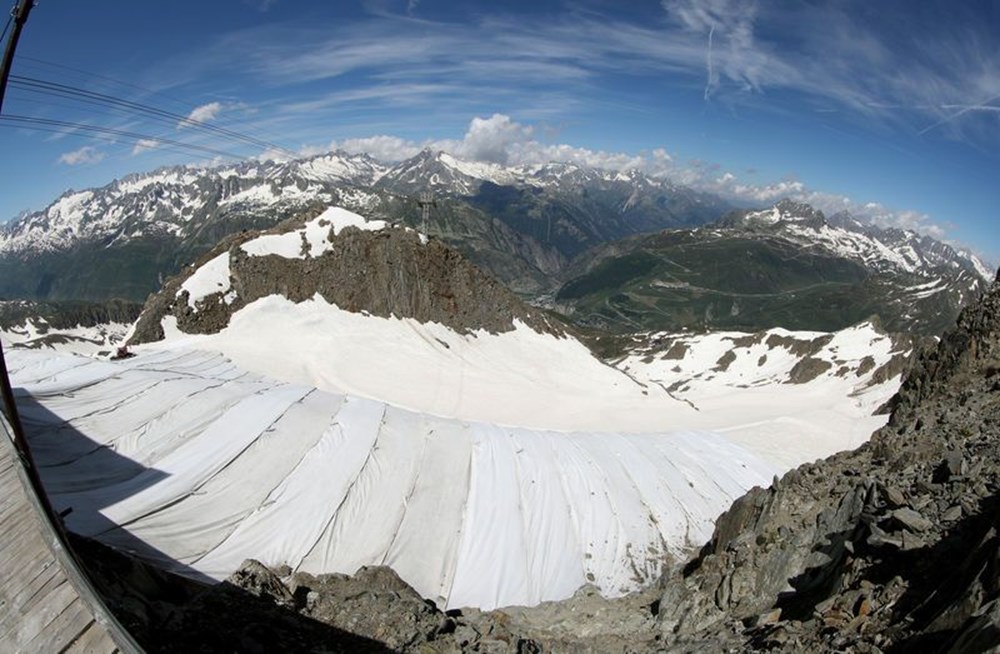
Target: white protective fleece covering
{"type": "Point", "coordinates": [184, 458]}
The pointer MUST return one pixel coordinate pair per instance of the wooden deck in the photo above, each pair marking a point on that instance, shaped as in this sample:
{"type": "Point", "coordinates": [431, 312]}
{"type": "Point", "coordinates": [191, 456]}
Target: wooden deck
{"type": "Point", "coordinates": [40, 609]}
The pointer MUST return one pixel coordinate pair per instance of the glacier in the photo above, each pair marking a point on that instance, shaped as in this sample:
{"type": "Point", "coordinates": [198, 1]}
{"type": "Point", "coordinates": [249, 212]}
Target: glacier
{"type": "Point", "coordinates": [487, 469]}
{"type": "Point", "coordinates": [185, 459]}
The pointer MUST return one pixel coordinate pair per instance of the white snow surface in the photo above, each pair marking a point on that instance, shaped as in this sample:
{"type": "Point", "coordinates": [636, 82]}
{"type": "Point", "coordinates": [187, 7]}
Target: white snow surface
{"type": "Point", "coordinates": [520, 378]}
{"type": "Point", "coordinates": [211, 277]}
{"type": "Point", "coordinates": [752, 402]}
{"type": "Point", "coordinates": [486, 469]}
{"type": "Point", "coordinates": [187, 460]}
{"type": "Point", "coordinates": [36, 334]}
{"type": "Point", "coordinates": [526, 379]}
{"type": "Point", "coordinates": [313, 235]}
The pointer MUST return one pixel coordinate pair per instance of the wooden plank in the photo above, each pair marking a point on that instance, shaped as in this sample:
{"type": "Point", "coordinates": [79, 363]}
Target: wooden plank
{"type": "Point", "coordinates": [19, 536]}
{"type": "Point", "coordinates": [26, 562]}
{"type": "Point", "coordinates": [94, 640]}
{"type": "Point", "coordinates": [19, 601]}
{"type": "Point", "coordinates": [22, 530]}
{"type": "Point", "coordinates": [32, 623]}
{"type": "Point", "coordinates": [43, 613]}
{"type": "Point", "coordinates": [46, 602]}
{"type": "Point", "coordinates": [14, 506]}
{"type": "Point", "coordinates": [63, 629]}
{"type": "Point", "coordinates": [38, 591]}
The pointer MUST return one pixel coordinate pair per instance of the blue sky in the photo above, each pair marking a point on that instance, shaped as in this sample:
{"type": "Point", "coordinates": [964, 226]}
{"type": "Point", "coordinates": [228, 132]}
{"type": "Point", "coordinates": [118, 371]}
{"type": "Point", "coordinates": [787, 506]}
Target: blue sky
{"type": "Point", "coordinates": [890, 109]}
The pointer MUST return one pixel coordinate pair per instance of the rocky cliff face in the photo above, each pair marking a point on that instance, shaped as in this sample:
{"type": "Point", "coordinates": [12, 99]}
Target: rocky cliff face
{"type": "Point", "coordinates": [385, 272]}
{"type": "Point", "coordinates": [892, 547]}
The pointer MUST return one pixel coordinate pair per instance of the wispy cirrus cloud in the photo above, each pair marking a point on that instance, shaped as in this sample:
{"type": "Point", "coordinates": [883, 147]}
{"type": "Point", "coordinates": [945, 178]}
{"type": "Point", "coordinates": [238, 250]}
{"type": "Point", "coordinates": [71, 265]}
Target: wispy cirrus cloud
{"type": "Point", "coordinates": [261, 5]}
{"type": "Point", "coordinates": [835, 56]}
{"type": "Point", "coordinates": [882, 63]}
{"type": "Point", "coordinates": [728, 27]}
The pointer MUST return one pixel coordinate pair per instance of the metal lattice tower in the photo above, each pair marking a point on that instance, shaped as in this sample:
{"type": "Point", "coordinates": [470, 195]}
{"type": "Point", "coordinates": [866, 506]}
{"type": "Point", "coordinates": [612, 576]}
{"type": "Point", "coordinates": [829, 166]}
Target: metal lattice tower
{"type": "Point", "coordinates": [425, 201]}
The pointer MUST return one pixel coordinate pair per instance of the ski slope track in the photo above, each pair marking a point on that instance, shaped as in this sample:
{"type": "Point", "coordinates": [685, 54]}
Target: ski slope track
{"type": "Point", "coordinates": [207, 465]}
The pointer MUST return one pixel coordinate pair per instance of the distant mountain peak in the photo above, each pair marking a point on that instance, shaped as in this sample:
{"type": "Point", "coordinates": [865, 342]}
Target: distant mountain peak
{"type": "Point", "coordinates": [844, 235]}
{"type": "Point", "coordinates": [799, 211]}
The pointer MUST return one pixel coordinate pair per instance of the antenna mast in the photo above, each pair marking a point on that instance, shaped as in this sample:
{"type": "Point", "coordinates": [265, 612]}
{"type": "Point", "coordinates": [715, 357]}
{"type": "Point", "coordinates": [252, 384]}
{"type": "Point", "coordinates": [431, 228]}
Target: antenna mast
{"type": "Point", "coordinates": [425, 201]}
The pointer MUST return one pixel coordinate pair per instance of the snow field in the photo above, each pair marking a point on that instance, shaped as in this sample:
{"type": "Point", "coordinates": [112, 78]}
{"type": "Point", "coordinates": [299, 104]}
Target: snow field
{"type": "Point", "coordinates": [197, 465]}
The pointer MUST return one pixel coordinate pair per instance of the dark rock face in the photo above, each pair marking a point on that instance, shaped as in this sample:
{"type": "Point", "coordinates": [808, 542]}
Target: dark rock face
{"type": "Point", "coordinates": [892, 547]}
{"type": "Point", "coordinates": [376, 604]}
{"type": "Point", "coordinates": [389, 272]}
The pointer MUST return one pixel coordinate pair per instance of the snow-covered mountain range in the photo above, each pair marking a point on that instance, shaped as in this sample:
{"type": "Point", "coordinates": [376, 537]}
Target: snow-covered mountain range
{"type": "Point", "coordinates": [489, 459]}
{"type": "Point", "coordinates": [521, 224]}
{"type": "Point", "coordinates": [534, 228]}
{"type": "Point", "coordinates": [879, 249]}
{"type": "Point", "coordinates": [786, 266]}
{"type": "Point", "coordinates": [175, 201]}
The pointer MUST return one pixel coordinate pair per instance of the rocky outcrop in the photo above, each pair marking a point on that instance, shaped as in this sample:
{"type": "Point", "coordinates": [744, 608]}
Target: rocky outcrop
{"type": "Point", "coordinates": [892, 546]}
{"type": "Point", "coordinates": [386, 272]}
{"type": "Point", "coordinates": [376, 604]}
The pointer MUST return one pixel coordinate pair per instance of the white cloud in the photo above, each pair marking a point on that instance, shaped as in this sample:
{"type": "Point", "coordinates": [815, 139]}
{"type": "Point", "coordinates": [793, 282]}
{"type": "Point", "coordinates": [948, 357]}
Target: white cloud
{"type": "Point", "coordinates": [85, 155]}
{"type": "Point", "coordinates": [282, 155]}
{"type": "Point", "coordinates": [767, 193]}
{"type": "Point", "coordinates": [496, 139]}
{"type": "Point", "coordinates": [491, 139]}
{"type": "Point", "coordinates": [214, 162]}
{"type": "Point", "coordinates": [830, 203]}
{"type": "Point", "coordinates": [500, 139]}
{"type": "Point", "coordinates": [201, 114]}
{"type": "Point", "coordinates": [143, 145]}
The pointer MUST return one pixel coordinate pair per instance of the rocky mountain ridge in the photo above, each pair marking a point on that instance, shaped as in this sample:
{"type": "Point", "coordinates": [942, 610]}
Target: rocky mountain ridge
{"type": "Point", "coordinates": [521, 224]}
{"type": "Point", "coordinates": [787, 266]}
{"type": "Point", "coordinates": [80, 327]}
{"type": "Point", "coordinates": [880, 249]}
{"type": "Point", "coordinates": [355, 264]}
